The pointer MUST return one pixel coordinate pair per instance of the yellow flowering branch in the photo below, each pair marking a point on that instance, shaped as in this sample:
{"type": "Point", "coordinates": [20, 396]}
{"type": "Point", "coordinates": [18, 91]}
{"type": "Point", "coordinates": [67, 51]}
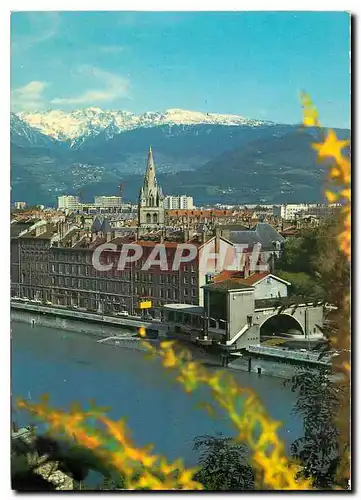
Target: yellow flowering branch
{"type": "Point", "coordinates": [254, 426]}
{"type": "Point", "coordinates": [140, 468]}
{"type": "Point", "coordinates": [339, 190]}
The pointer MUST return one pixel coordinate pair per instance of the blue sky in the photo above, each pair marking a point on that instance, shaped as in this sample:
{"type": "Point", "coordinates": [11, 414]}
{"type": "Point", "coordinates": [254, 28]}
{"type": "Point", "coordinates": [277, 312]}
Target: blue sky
{"type": "Point", "coordinates": [252, 64]}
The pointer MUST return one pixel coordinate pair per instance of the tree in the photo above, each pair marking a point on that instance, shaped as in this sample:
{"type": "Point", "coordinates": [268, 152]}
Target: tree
{"type": "Point", "coordinates": [223, 464]}
{"type": "Point", "coordinates": [314, 264]}
{"type": "Point", "coordinates": [318, 450]}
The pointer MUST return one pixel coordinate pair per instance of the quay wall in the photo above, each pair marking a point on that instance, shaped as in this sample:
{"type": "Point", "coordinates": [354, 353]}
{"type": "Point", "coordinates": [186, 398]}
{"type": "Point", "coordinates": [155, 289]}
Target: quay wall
{"type": "Point", "coordinates": [100, 330]}
{"type": "Point", "coordinates": [267, 367]}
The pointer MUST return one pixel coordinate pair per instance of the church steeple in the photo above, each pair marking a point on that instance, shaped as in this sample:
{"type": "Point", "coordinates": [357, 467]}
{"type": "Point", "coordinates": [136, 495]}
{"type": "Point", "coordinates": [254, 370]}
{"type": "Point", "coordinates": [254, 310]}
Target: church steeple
{"type": "Point", "coordinates": [151, 198]}
{"type": "Point", "coordinates": [150, 180]}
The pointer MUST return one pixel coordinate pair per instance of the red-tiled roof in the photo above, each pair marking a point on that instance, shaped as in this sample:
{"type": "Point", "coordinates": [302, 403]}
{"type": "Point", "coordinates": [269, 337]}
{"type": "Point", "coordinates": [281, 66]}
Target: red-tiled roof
{"type": "Point", "coordinates": [254, 278]}
{"type": "Point", "coordinates": [225, 275]}
{"type": "Point", "coordinates": [199, 213]}
{"type": "Point", "coordinates": [238, 276]}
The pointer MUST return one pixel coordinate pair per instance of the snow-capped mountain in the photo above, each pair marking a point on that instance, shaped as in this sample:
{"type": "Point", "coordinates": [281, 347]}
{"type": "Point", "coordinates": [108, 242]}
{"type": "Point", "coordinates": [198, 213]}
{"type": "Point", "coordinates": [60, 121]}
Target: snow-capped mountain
{"type": "Point", "coordinates": [24, 134]}
{"type": "Point", "coordinates": [78, 125]}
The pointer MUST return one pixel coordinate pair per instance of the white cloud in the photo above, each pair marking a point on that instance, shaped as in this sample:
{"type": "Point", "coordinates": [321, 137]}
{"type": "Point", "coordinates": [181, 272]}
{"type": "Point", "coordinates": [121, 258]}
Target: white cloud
{"type": "Point", "coordinates": [107, 88]}
{"type": "Point", "coordinates": [28, 97]}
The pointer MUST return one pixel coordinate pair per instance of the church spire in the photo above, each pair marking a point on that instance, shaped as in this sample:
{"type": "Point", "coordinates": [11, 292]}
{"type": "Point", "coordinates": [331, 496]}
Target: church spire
{"type": "Point", "coordinates": [149, 179]}
{"type": "Point", "coordinates": [151, 199]}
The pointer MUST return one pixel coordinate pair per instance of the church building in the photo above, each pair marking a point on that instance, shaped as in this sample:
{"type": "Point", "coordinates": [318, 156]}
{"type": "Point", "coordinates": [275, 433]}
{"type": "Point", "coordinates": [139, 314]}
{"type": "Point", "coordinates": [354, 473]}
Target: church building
{"type": "Point", "coordinates": [151, 199]}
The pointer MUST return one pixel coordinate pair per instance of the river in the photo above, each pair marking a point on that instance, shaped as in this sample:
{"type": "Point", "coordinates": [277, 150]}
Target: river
{"type": "Point", "coordinates": [73, 367]}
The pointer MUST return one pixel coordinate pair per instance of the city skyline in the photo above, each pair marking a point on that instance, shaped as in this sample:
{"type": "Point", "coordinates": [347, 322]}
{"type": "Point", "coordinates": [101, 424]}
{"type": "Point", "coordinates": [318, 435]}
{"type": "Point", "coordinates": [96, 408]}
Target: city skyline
{"type": "Point", "coordinates": [247, 63]}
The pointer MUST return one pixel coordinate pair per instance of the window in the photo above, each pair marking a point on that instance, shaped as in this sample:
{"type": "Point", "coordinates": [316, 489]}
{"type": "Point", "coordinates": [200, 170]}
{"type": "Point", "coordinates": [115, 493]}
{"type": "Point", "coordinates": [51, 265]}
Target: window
{"type": "Point", "coordinates": [193, 279]}
{"type": "Point", "coordinates": [161, 279]}
{"type": "Point", "coordinates": [186, 292]}
{"type": "Point", "coordinates": [194, 292]}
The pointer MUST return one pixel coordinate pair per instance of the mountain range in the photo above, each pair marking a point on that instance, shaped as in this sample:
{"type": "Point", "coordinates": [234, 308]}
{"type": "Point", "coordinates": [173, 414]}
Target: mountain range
{"type": "Point", "coordinates": [213, 157]}
{"type": "Point", "coordinates": [89, 122]}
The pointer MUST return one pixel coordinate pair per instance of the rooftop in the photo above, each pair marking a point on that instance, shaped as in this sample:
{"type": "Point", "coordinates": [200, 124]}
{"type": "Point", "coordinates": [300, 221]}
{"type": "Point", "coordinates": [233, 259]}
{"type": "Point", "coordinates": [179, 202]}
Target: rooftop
{"type": "Point", "coordinates": [192, 212]}
{"type": "Point", "coordinates": [229, 284]}
{"type": "Point", "coordinates": [261, 233]}
{"type": "Point", "coordinates": [185, 308]}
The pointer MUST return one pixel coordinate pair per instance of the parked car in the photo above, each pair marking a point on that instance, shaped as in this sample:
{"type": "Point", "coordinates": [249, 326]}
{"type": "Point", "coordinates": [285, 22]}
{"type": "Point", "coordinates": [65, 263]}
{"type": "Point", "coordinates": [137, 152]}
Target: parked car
{"type": "Point", "coordinates": [123, 313]}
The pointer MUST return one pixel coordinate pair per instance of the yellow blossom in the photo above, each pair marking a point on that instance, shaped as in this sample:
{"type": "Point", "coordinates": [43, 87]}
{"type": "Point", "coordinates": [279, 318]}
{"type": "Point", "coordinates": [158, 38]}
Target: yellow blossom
{"type": "Point", "coordinates": [331, 147]}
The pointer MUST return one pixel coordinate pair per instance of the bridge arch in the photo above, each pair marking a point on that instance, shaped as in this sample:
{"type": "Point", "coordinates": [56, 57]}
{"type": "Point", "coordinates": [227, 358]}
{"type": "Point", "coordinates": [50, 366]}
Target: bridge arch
{"type": "Point", "coordinates": [283, 322]}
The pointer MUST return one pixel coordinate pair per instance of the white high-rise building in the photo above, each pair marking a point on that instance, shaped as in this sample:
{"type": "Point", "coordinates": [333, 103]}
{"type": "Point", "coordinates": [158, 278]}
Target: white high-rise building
{"type": "Point", "coordinates": [20, 205]}
{"type": "Point", "coordinates": [69, 202]}
{"type": "Point", "coordinates": [289, 211]}
{"type": "Point", "coordinates": [108, 201]}
{"type": "Point", "coordinates": [182, 202]}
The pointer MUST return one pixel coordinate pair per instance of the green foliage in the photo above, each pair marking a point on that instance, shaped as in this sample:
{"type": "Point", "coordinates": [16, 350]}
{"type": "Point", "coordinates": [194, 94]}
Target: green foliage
{"type": "Point", "coordinates": [318, 404]}
{"type": "Point", "coordinates": [73, 460]}
{"type": "Point", "coordinates": [303, 284]}
{"type": "Point", "coordinates": [314, 265]}
{"type": "Point", "coordinates": [223, 464]}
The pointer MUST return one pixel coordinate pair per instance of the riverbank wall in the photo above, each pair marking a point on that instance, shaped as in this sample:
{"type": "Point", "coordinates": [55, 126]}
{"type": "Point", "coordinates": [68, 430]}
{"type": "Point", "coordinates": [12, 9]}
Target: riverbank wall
{"type": "Point", "coordinates": [100, 330]}
{"type": "Point", "coordinates": [266, 367]}
{"type": "Point", "coordinates": [82, 322]}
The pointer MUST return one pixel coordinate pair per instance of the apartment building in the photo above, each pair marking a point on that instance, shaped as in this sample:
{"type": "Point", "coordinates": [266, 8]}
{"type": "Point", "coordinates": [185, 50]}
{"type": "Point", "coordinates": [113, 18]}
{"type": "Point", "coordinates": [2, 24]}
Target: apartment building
{"type": "Point", "coordinates": [108, 201]}
{"type": "Point", "coordinates": [291, 211]}
{"type": "Point", "coordinates": [68, 202]}
{"type": "Point", "coordinates": [60, 270]}
{"type": "Point", "coordinates": [182, 202]}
